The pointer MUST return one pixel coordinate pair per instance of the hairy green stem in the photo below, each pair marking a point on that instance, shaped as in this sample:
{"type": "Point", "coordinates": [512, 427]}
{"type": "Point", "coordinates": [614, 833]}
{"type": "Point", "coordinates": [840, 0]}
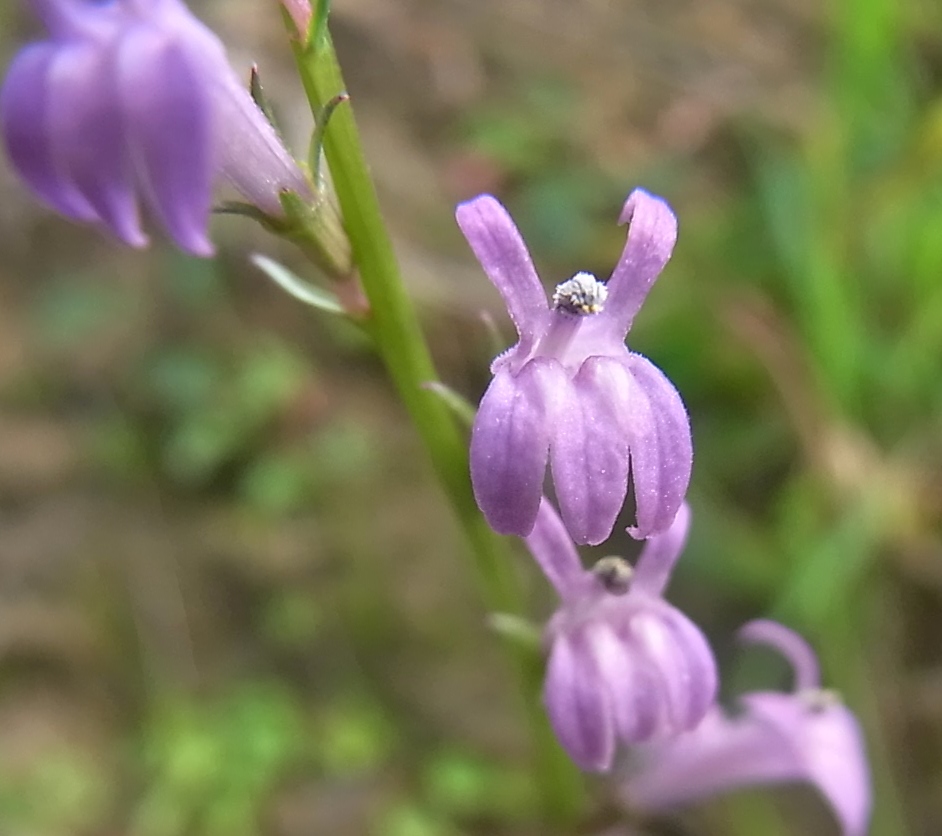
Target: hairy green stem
{"type": "Point", "coordinates": [395, 327]}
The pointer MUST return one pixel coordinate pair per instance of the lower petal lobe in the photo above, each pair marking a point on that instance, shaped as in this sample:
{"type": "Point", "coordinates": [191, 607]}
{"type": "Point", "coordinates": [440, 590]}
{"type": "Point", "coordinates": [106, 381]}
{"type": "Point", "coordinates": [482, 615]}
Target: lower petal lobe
{"type": "Point", "coordinates": [24, 106]}
{"type": "Point", "coordinates": [86, 124]}
{"type": "Point", "coordinates": [510, 444]}
{"type": "Point", "coordinates": [589, 451]}
{"type": "Point", "coordinates": [660, 464]}
{"type": "Point", "coordinates": [578, 705]}
{"type": "Point", "coordinates": [170, 123]}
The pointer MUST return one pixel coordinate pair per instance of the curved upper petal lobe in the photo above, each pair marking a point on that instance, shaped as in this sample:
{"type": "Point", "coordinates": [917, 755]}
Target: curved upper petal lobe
{"type": "Point", "coordinates": [498, 246]}
{"type": "Point", "coordinates": [652, 233]}
{"type": "Point", "coordinates": [553, 549]}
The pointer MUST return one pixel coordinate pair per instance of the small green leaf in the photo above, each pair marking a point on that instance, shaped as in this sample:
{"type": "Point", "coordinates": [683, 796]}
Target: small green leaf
{"type": "Point", "coordinates": [517, 630]}
{"type": "Point", "coordinates": [259, 97]}
{"type": "Point", "coordinates": [459, 405]}
{"type": "Point", "coordinates": [238, 207]}
{"type": "Point", "coordinates": [301, 290]}
{"type": "Point", "coordinates": [321, 120]}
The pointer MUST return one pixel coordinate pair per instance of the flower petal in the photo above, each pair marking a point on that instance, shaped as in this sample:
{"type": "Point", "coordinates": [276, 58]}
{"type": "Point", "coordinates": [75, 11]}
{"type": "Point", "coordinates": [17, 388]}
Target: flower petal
{"type": "Point", "coordinates": [633, 687]}
{"type": "Point", "coordinates": [652, 232]}
{"type": "Point", "coordinates": [679, 653]}
{"type": "Point", "coordinates": [720, 755]}
{"type": "Point", "coordinates": [169, 126]}
{"type": "Point", "coordinates": [660, 465]}
{"type": "Point", "coordinates": [696, 670]}
{"type": "Point", "coordinates": [252, 156]}
{"type": "Point", "coordinates": [789, 644]}
{"type": "Point", "coordinates": [553, 549]}
{"type": "Point", "coordinates": [86, 126]}
{"type": "Point", "coordinates": [828, 744]}
{"type": "Point", "coordinates": [659, 555]}
{"type": "Point", "coordinates": [24, 105]}
{"type": "Point", "coordinates": [500, 249]}
{"type": "Point", "coordinates": [510, 445]}
{"type": "Point", "coordinates": [589, 450]}
{"type": "Point", "coordinates": [578, 705]}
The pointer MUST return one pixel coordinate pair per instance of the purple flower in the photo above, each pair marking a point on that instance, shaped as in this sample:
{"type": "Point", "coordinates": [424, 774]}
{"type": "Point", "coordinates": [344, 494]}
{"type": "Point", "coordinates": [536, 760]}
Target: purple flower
{"type": "Point", "coordinates": [300, 12]}
{"type": "Point", "coordinates": [806, 735]}
{"type": "Point", "coordinates": [623, 663]}
{"type": "Point", "coordinates": [570, 390]}
{"type": "Point", "coordinates": [132, 99]}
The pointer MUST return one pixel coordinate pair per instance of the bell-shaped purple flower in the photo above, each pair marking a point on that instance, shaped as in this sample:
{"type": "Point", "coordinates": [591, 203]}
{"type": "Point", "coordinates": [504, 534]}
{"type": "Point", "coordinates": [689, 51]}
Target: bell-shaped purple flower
{"type": "Point", "coordinates": [131, 99]}
{"type": "Point", "coordinates": [807, 735]}
{"type": "Point", "coordinates": [571, 392]}
{"type": "Point", "coordinates": [623, 663]}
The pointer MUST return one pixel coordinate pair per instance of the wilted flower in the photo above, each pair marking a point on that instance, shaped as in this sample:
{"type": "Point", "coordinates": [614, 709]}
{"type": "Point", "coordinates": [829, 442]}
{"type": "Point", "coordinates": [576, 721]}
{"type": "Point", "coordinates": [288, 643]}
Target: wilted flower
{"type": "Point", "coordinates": [806, 735]}
{"type": "Point", "coordinates": [623, 663]}
{"type": "Point", "coordinates": [135, 98]}
{"type": "Point", "coordinates": [570, 390]}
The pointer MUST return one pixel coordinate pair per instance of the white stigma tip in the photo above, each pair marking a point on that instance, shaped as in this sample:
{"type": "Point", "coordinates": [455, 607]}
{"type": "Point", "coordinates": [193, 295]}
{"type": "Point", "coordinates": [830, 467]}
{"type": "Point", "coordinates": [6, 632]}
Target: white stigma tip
{"type": "Point", "coordinates": [583, 294]}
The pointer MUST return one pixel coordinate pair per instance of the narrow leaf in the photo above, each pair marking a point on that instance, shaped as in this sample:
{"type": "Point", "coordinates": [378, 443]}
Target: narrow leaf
{"type": "Point", "coordinates": [258, 96]}
{"type": "Point", "coordinates": [301, 290]}
{"type": "Point", "coordinates": [238, 207]}
{"type": "Point", "coordinates": [517, 630]}
{"type": "Point", "coordinates": [459, 406]}
{"type": "Point", "coordinates": [321, 121]}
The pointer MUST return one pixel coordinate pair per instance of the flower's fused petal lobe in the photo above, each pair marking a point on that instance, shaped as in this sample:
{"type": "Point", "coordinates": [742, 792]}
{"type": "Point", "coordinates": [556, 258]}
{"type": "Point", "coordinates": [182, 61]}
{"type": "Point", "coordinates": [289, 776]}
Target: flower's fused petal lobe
{"type": "Point", "coordinates": [500, 249]}
{"type": "Point", "coordinates": [578, 704]}
{"type": "Point", "coordinates": [75, 18]}
{"type": "Point", "coordinates": [632, 685]}
{"type": "Point", "coordinates": [24, 108]}
{"type": "Point", "coordinates": [86, 126]}
{"type": "Point", "coordinates": [696, 668]}
{"type": "Point", "coordinates": [828, 744]}
{"type": "Point", "coordinates": [792, 646]}
{"type": "Point", "coordinates": [652, 232]}
{"type": "Point", "coordinates": [660, 554]}
{"type": "Point", "coordinates": [589, 451]}
{"type": "Point", "coordinates": [553, 550]}
{"type": "Point", "coordinates": [169, 124]}
{"type": "Point", "coordinates": [510, 445]}
{"type": "Point", "coordinates": [677, 650]}
{"type": "Point", "coordinates": [662, 454]}
{"type": "Point", "coordinates": [837, 764]}
{"type": "Point", "coordinates": [719, 755]}
{"type": "Point", "coordinates": [251, 155]}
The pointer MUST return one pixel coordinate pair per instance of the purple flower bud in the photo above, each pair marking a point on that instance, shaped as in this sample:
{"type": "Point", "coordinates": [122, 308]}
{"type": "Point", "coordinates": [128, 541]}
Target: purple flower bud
{"type": "Point", "coordinates": [132, 99]}
{"type": "Point", "coordinates": [623, 663]}
{"type": "Point", "coordinates": [300, 12]}
{"type": "Point", "coordinates": [806, 735]}
{"type": "Point", "coordinates": [571, 393]}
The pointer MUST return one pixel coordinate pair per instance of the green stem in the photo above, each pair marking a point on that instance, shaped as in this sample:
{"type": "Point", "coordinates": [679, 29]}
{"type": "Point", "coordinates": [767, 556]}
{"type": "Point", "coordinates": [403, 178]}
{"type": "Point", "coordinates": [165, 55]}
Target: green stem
{"type": "Point", "coordinates": [395, 327]}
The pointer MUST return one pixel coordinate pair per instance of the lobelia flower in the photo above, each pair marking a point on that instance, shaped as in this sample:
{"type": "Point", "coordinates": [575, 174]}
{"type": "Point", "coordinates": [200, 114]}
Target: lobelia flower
{"type": "Point", "coordinates": [135, 98]}
{"type": "Point", "coordinates": [806, 735]}
{"type": "Point", "coordinates": [571, 392]}
{"type": "Point", "coordinates": [623, 663]}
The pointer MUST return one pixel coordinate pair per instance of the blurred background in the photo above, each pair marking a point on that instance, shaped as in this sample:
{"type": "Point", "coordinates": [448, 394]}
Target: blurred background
{"type": "Point", "coordinates": [232, 599]}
